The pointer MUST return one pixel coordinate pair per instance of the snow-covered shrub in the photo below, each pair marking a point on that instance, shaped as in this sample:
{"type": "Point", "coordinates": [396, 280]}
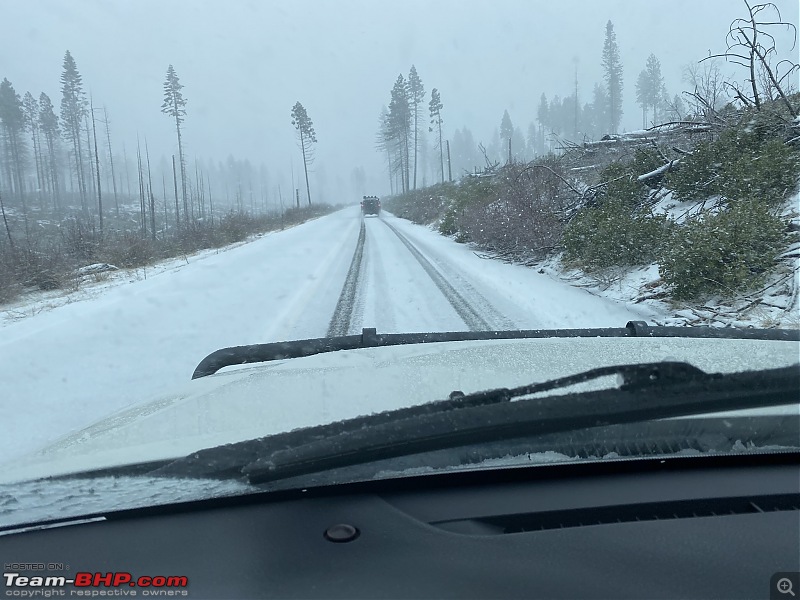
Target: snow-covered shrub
{"type": "Point", "coordinates": [423, 206]}
{"type": "Point", "coordinates": [469, 207]}
{"type": "Point", "coordinates": [618, 230]}
{"type": "Point", "coordinates": [518, 213]}
{"type": "Point", "coordinates": [747, 162]}
{"type": "Point", "coordinates": [130, 250]}
{"type": "Point", "coordinates": [610, 235]}
{"type": "Point", "coordinates": [723, 253]}
{"type": "Point", "coordinates": [42, 267]}
{"type": "Point", "coordinates": [9, 284]}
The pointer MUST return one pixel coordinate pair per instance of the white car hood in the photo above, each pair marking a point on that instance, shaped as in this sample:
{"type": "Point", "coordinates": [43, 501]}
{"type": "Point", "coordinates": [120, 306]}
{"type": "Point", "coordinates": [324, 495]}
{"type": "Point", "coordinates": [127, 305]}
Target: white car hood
{"type": "Point", "coordinates": [270, 398]}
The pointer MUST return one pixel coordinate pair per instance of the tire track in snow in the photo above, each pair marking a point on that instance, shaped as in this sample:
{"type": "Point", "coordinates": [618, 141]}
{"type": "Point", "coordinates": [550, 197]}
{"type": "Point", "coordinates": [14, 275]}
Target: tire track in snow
{"type": "Point", "coordinates": [342, 314]}
{"type": "Point", "coordinates": [471, 317]}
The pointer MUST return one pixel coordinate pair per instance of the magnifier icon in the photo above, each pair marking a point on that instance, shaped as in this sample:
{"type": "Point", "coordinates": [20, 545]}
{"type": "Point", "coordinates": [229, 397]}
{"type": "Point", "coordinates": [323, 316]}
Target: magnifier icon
{"type": "Point", "coordinates": [784, 586]}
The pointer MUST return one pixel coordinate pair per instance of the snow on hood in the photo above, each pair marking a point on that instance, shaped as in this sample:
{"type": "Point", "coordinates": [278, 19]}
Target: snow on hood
{"type": "Point", "coordinates": [245, 403]}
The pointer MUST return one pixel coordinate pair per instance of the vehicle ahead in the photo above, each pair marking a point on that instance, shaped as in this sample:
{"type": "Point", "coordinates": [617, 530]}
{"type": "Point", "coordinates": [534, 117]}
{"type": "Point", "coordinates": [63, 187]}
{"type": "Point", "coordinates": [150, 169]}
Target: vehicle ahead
{"type": "Point", "coordinates": [371, 205]}
{"type": "Point", "coordinates": [472, 464]}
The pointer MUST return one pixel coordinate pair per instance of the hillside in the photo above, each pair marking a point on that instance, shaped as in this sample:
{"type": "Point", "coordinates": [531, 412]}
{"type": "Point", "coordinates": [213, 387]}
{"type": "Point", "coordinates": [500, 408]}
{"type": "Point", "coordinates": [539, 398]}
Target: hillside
{"type": "Point", "coordinates": [700, 218]}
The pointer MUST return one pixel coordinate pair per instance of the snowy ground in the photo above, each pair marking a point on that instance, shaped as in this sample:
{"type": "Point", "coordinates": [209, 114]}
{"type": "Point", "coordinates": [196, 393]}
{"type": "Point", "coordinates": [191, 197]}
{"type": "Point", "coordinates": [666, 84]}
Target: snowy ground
{"type": "Point", "coordinates": [69, 360]}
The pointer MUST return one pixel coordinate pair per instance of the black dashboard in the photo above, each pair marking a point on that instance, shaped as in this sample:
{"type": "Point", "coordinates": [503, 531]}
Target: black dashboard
{"type": "Point", "coordinates": [689, 527]}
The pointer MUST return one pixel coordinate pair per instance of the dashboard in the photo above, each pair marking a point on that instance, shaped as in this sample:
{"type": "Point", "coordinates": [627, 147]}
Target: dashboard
{"type": "Point", "coordinates": [689, 527]}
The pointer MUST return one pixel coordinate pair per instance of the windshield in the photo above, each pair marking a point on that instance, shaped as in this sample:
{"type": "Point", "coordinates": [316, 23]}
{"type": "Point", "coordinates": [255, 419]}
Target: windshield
{"type": "Point", "coordinates": [322, 169]}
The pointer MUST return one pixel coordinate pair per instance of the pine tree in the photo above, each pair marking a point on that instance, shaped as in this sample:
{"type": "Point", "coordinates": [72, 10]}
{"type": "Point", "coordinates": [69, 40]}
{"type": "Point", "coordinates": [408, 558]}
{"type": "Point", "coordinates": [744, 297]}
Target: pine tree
{"type": "Point", "coordinates": [384, 143]}
{"type": "Point", "coordinates": [643, 94]}
{"type": "Point", "coordinates": [13, 121]}
{"type": "Point", "coordinates": [307, 137]}
{"type": "Point", "coordinates": [543, 112]}
{"type": "Point", "coordinates": [174, 105]}
{"type": "Point", "coordinates": [416, 92]}
{"type": "Point", "coordinates": [650, 90]}
{"type": "Point", "coordinates": [30, 110]}
{"type": "Point", "coordinates": [400, 122]}
{"type": "Point", "coordinates": [655, 85]}
{"type": "Point", "coordinates": [435, 109]}
{"type": "Point", "coordinates": [612, 73]}
{"type": "Point", "coordinates": [532, 146]}
{"type": "Point", "coordinates": [48, 124]}
{"type": "Point", "coordinates": [506, 132]}
{"type": "Point", "coordinates": [600, 109]}
{"type": "Point", "coordinates": [73, 111]}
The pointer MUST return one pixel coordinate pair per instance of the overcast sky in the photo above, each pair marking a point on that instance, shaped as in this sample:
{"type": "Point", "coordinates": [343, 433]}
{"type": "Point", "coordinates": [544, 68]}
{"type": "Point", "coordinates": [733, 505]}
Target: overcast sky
{"type": "Point", "coordinates": [245, 63]}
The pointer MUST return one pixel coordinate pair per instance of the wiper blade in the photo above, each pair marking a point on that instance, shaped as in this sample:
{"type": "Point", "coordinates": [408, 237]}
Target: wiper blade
{"type": "Point", "coordinates": [648, 392]}
{"type": "Point", "coordinates": [228, 460]}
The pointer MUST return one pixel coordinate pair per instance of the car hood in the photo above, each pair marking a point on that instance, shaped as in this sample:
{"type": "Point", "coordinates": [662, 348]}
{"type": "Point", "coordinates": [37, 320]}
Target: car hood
{"type": "Point", "coordinates": [246, 403]}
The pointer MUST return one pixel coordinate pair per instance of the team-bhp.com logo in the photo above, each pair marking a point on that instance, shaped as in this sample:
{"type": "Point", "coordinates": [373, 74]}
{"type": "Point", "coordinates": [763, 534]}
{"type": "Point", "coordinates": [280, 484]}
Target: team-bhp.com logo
{"type": "Point", "coordinates": [116, 583]}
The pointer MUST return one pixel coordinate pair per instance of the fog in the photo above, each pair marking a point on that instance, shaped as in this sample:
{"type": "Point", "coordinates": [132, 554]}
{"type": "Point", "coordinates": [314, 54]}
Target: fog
{"type": "Point", "coordinates": [245, 63]}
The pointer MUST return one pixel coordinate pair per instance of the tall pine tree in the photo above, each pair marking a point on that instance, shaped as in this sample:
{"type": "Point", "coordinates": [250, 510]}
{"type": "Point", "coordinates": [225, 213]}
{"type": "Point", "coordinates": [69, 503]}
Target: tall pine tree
{"type": "Point", "coordinates": [174, 105]}
{"type": "Point", "coordinates": [435, 108]}
{"type": "Point", "coordinates": [13, 122]}
{"type": "Point", "coordinates": [656, 89]}
{"type": "Point", "coordinates": [307, 137]}
{"type": "Point", "coordinates": [416, 92]}
{"type": "Point", "coordinates": [48, 125]}
{"type": "Point", "coordinates": [612, 73]}
{"type": "Point", "coordinates": [30, 110]}
{"type": "Point", "coordinates": [73, 111]}
{"type": "Point", "coordinates": [506, 132]}
{"type": "Point", "coordinates": [400, 126]}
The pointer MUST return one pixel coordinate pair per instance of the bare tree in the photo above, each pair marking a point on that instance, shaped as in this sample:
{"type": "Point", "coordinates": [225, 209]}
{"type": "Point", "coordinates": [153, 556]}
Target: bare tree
{"type": "Point", "coordinates": [97, 164]}
{"type": "Point", "coordinates": [150, 194]}
{"type": "Point", "coordinates": [709, 89]}
{"type": "Point", "coordinates": [111, 160]}
{"type": "Point", "coordinates": [751, 45]}
{"type": "Point", "coordinates": [5, 222]}
{"type": "Point", "coordinates": [416, 92]}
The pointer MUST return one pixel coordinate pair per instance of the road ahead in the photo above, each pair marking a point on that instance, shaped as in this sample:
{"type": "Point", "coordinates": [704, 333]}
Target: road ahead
{"type": "Point", "coordinates": [68, 367]}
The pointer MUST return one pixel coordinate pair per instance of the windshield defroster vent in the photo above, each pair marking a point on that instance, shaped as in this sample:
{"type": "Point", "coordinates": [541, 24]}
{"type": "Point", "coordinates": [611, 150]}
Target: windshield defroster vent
{"type": "Point", "coordinates": [654, 511]}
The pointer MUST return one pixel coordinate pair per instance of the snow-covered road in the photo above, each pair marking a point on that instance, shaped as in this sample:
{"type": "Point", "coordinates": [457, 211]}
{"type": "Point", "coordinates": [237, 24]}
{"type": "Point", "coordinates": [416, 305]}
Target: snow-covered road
{"type": "Point", "coordinates": [65, 368]}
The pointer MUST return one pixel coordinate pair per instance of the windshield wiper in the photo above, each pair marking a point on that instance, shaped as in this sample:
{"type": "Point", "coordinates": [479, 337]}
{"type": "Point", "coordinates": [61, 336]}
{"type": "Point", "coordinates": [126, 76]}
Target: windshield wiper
{"type": "Point", "coordinates": [369, 338]}
{"type": "Point", "coordinates": [648, 391]}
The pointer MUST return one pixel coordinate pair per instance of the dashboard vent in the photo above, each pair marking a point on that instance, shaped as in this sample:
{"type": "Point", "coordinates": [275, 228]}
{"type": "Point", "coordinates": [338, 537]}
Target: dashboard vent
{"type": "Point", "coordinates": [655, 511]}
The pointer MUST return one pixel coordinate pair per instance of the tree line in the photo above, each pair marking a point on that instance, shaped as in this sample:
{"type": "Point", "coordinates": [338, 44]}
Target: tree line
{"type": "Point", "coordinates": [57, 160]}
{"type": "Point", "coordinates": [556, 118]}
{"type": "Point", "coordinates": [69, 198]}
{"type": "Point", "coordinates": [400, 136]}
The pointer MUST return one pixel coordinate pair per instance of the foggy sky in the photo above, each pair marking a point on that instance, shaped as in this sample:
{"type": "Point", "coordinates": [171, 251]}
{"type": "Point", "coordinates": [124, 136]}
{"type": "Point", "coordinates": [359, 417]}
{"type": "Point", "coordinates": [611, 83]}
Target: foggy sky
{"type": "Point", "coordinates": [245, 63]}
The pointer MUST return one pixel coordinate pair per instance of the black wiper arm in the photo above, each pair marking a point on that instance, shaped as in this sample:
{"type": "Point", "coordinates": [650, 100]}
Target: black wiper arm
{"type": "Point", "coordinates": [228, 460]}
{"type": "Point", "coordinates": [649, 392]}
{"type": "Point", "coordinates": [369, 338]}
